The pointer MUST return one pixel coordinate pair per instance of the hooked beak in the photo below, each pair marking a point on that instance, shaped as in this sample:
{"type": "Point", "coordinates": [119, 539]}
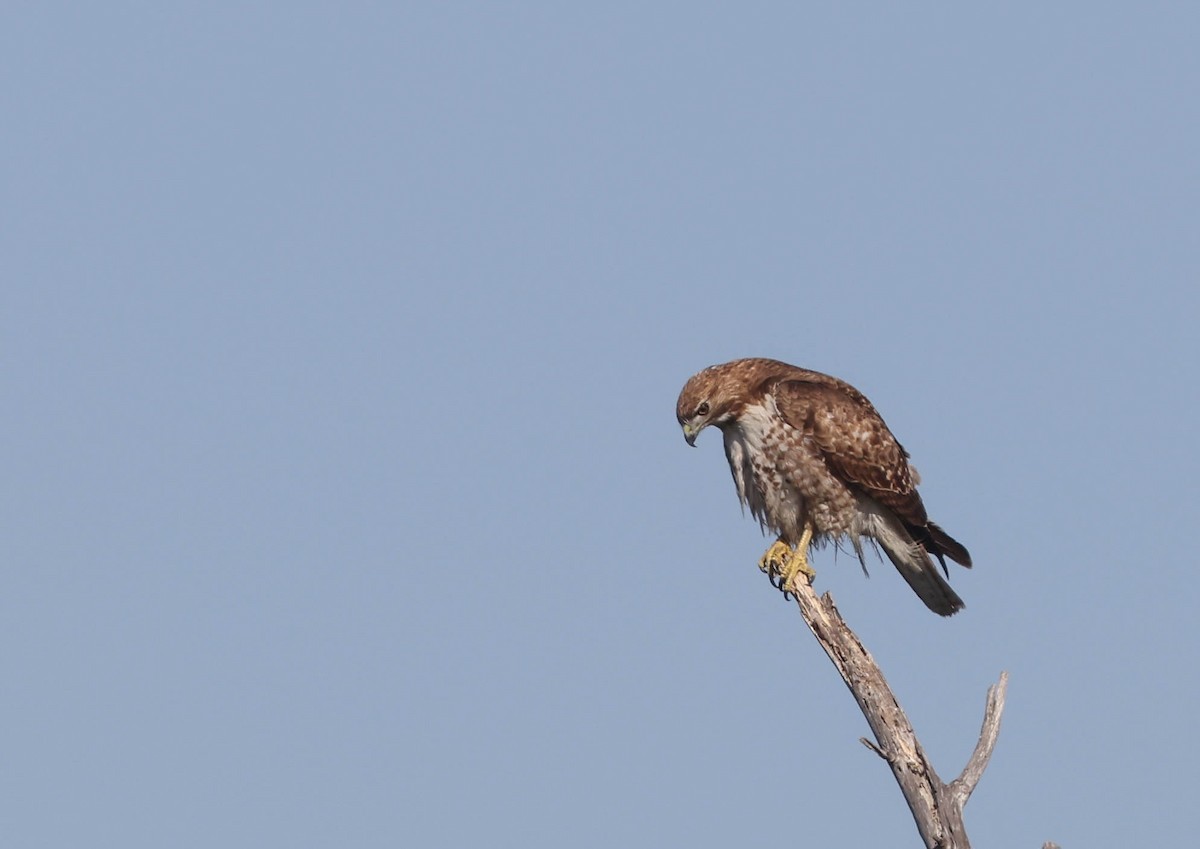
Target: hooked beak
{"type": "Point", "coordinates": [689, 434]}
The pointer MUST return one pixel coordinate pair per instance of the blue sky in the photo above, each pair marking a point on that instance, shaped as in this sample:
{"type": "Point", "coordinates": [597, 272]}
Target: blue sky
{"type": "Point", "coordinates": [345, 504]}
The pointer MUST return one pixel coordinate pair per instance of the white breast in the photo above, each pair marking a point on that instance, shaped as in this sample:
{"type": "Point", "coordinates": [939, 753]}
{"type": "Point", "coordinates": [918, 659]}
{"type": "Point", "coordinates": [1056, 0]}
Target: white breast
{"type": "Point", "coordinates": [751, 443]}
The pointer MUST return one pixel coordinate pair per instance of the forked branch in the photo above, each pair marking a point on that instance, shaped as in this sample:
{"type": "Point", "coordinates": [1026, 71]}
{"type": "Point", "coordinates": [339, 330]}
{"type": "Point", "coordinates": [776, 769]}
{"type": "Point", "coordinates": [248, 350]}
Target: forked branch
{"type": "Point", "coordinates": [936, 807]}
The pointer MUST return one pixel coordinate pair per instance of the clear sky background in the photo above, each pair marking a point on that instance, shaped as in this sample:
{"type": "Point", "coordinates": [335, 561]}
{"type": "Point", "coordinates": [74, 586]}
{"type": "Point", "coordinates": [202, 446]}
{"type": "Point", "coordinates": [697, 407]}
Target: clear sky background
{"type": "Point", "coordinates": [344, 502]}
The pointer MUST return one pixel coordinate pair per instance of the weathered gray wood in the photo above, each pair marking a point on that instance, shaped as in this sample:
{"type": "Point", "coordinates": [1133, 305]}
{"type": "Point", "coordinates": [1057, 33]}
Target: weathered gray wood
{"type": "Point", "coordinates": [962, 787]}
{"type": "Point", "coordinates": [936, 807]}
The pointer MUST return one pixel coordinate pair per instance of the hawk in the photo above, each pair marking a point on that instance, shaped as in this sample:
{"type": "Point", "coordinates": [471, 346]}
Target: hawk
{"type": "Point", "coordinates": [816, 463]}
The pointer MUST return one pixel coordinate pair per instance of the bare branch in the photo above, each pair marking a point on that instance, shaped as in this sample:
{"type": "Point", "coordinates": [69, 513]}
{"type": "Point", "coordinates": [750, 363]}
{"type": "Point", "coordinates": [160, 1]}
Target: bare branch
{"type": "Point", "coordinates": [936, 807]}
{"type": "Point", "coordinates": [895, 737]}
{"type": "Point", "coordinates": [873, 747]}
{"type": "Point", "coordinates": [962, 787]}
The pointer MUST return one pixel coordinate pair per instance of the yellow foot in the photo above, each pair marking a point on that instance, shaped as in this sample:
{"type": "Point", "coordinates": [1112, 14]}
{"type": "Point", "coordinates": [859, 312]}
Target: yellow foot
{"type": "Point", "coordinates": [782, 563]}
{"type": "Point", "coordinates": [775, 558]}
{"type": "Point", "coordinates": [797, 565]}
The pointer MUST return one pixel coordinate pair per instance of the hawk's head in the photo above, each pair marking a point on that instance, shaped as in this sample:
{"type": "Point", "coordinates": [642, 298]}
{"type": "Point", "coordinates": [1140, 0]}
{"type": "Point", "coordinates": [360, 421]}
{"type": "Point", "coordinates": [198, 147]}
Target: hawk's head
{"type": "Point", "coordinates": [713, 396]}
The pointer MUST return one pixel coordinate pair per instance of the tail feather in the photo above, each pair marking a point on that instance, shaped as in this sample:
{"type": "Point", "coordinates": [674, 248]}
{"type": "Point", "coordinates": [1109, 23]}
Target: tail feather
{"type": "Point", "coordinates": [917, 568]}
{"type": "Point", "coordinates": [943, 543]}
{"type": "Point", "coordinates": [909, 548]}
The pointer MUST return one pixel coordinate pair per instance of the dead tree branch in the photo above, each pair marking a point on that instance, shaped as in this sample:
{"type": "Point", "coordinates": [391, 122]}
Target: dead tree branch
{"type": "Point", "coordinates": [936, 806]}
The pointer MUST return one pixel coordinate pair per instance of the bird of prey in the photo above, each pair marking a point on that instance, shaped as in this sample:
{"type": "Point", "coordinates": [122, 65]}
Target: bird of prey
{"type": "Point", "coordinates": [816, 463]}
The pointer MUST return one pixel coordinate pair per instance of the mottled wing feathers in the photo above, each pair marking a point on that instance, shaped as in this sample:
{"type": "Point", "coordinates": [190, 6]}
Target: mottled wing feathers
{"type": "Point", "coordinates": [858, 448]}
{"type": "Point", "coordinates": [855, 443]}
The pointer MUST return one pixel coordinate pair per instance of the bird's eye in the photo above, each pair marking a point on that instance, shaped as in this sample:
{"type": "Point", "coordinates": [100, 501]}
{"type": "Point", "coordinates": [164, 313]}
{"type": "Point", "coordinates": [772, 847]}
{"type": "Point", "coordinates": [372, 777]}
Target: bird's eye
{"type": "Point", "coordinates": [702, 410]}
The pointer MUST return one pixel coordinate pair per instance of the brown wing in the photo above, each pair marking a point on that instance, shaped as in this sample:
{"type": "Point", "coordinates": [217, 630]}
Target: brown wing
{"type": "Point", "coordinates": [854, 441]}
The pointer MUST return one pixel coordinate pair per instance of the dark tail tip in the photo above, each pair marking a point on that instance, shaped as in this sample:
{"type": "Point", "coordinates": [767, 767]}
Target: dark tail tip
{"type": "Point", "coordinates": [944, 544]}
